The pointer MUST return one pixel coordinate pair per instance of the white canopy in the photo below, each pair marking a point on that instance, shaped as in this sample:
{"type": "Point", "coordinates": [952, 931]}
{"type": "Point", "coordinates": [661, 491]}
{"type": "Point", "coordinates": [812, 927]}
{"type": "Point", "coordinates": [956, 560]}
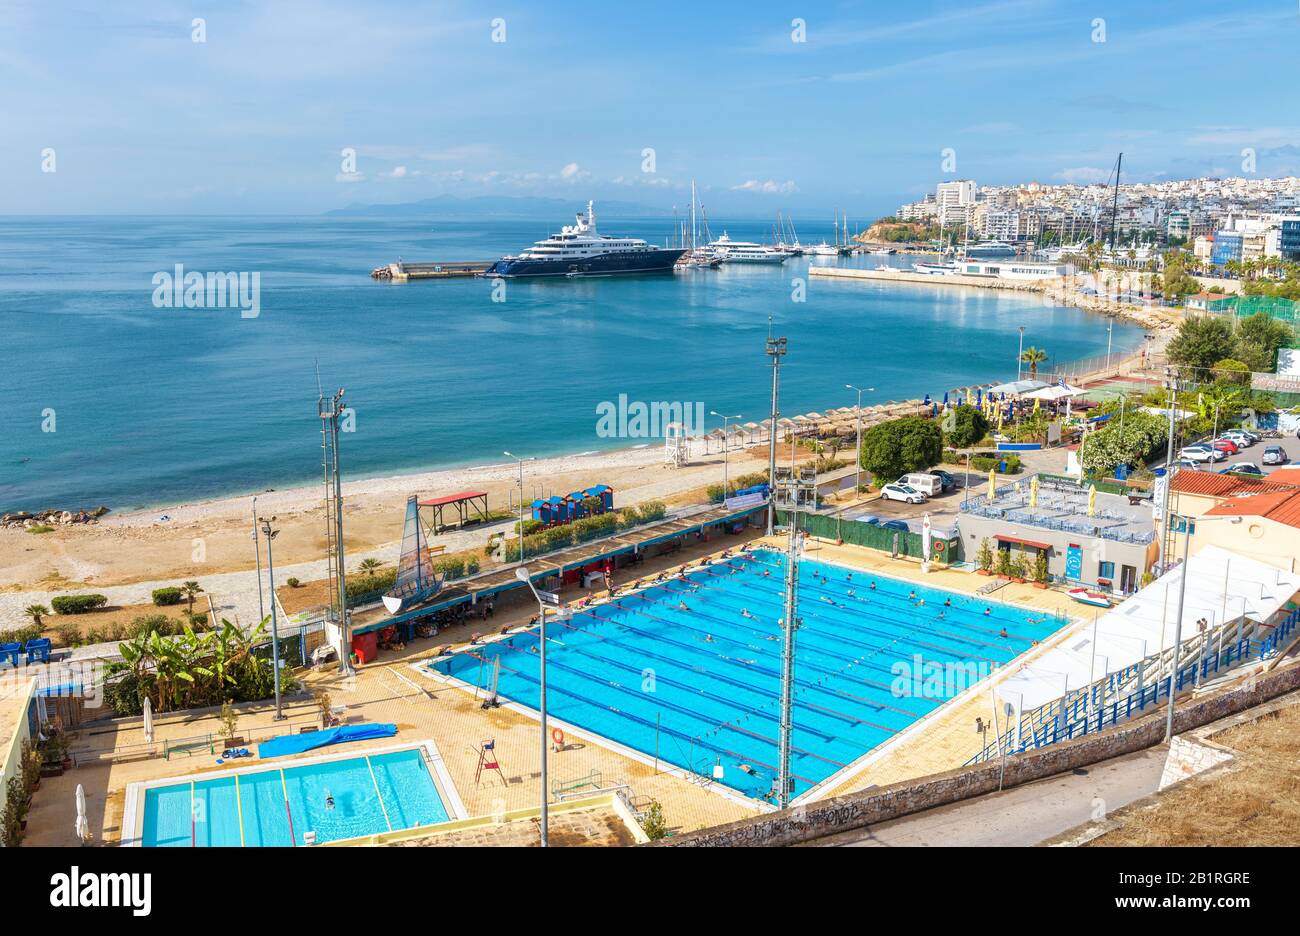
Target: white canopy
{"type": "Point", "coordinates": [1018, 386]}
{"type": "Point", "coordinates": [1221, 586]}
{"type": "Point", "coordinates": [1055, 392]}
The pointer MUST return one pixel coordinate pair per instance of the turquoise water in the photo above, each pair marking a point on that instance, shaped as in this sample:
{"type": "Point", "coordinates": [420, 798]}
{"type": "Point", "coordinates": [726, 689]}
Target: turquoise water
{"type": "Point", "coordinates": [700, 687]}
{"type": "Point", "coordinates": [379, 793]}
{"type": "Point", "coordinates": [156, 406]}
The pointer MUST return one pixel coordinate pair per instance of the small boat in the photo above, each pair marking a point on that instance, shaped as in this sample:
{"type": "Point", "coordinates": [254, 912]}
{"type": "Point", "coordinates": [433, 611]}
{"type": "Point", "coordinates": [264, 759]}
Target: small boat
{"type": "Point", "coordinates": [1086, 596]}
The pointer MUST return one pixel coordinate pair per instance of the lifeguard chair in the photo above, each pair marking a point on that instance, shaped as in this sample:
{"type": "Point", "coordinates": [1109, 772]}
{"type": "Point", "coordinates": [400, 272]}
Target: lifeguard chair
{"type": "Point", "coordinates": [487, 760]}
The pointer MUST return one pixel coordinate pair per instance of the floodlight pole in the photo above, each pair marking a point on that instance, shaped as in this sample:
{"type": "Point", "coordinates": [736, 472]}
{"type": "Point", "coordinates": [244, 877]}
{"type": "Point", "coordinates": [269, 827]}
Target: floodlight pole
{"type": "Point", "coordinates": [792, 492]}
{"type": "Point", "coordinates": [776, 348]}
{"type": "Point", "coordinates": [521, 573]}
{"type": "Point", "coordinates": [521, 502]}
{"type": "Point", "coordinates": [257, 551]}
{"type": "Point", "coordinates": [275, 633]}
{"type": "Point", "coordinates": [857, 481]}
{"type": "Point", "coordinates": [726, 453]}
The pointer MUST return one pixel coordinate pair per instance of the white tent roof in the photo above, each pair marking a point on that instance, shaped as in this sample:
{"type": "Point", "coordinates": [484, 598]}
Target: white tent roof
{"type": "Point", "coordinates": [1018, 386]}
{"type": "Point", "coordinates": [1055, 392]}
{"type": "Point", "coordinates": [1144, 623]}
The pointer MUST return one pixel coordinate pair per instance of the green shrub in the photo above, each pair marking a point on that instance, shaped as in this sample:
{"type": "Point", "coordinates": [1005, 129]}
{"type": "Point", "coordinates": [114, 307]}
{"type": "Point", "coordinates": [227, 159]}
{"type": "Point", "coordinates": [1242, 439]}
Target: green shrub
{"type": "Point", "coordinates": [69, 634]}
{"type": "Point", "coordinates": [292, 582]}
{"type": "Point", "coordinates": [21, 634]}
{"type": "Point", "coordinates": [77, 604]}
{"type": "Point", "coordinates": [40, 528]}
{"type": "Point", "coordinates": [167, 596]}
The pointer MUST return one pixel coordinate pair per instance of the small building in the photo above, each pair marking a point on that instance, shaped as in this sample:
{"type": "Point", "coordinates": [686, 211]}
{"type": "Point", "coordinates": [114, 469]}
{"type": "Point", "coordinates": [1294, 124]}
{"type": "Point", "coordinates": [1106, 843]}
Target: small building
{"type": "Point", "coordinates": [1110, 547]}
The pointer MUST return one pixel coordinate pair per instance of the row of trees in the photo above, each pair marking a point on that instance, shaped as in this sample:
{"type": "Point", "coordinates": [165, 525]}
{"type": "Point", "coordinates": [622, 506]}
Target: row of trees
{"type": "Point", "coordinates": [1204, 342]}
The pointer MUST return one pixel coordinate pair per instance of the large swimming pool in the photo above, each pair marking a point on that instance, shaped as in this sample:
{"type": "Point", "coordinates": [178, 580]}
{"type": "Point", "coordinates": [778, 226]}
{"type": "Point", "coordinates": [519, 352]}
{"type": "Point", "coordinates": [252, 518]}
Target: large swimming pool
{"type": "Point", "coordinates": [689, 670]}
{"type": "Point", "coordinates": [278, 806]}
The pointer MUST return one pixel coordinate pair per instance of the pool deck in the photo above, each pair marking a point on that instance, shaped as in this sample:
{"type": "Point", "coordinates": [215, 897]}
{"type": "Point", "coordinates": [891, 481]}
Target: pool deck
{"type": "Point", "coordinates": [423, 709]}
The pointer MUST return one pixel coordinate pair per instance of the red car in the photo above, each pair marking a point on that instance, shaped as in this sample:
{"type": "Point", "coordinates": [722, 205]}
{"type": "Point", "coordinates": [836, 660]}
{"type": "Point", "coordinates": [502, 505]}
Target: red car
{"type": "Point", "coordinates": [1226, 445]}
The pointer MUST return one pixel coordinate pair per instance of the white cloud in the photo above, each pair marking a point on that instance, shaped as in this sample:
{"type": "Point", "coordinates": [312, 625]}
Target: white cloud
{"type": "Point", "coordinates": [770, 187]}
{"type": "Point", "coordinates": [571, 171]}
{"type": "Point", "coordinates": [1082, 175]}
{"type": "Point", "coordinates": [398, 172]}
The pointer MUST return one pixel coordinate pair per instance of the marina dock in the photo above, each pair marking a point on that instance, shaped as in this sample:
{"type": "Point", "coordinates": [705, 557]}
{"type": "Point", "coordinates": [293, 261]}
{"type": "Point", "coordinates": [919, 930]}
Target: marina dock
{"type": "Point", "coordinates": [401, 272]}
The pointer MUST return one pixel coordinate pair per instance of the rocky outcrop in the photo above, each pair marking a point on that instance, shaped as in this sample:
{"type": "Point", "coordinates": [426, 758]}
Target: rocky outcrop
{"type": "Point", "coordinates": [56, 517]}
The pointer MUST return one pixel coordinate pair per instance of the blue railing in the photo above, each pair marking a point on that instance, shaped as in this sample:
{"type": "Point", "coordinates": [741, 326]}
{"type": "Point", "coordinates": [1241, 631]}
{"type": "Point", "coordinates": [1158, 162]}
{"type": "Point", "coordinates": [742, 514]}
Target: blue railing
{"type": "Point", "coordinates": [1084, 711]}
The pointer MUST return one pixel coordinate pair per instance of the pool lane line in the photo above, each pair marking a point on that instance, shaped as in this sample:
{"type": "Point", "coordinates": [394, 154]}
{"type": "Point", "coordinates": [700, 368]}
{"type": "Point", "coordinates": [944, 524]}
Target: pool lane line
{"type": "Point", "coordinates": [239, 803]}
{"type": "Point", "coordinates": [771, 656]}
{"type": "Point", "coordinates": [293, 837]}
{"type": "Point", "coordinates": [641, 720]}
{"type": "Point", "coordinates": [371, 768]}
{"type": "Point", "coordinates": [915, 628]}
{"type": "Point", "coordinates": [193, 832]}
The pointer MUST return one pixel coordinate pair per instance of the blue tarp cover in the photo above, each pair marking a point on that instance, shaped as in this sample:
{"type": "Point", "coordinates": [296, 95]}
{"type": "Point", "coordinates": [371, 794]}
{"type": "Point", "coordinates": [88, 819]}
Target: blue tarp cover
{"type": "Point", "coordinates": [296, 744]}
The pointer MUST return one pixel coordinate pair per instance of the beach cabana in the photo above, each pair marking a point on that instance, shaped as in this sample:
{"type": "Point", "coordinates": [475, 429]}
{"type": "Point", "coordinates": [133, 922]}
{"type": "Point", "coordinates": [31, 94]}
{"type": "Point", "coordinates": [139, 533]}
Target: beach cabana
{"type": "Point", "coordinates": [576, 509]}
{"type": "Point", "coordinates": [541, 510]}
{"type": "Point", "coordinates": [604, 493]}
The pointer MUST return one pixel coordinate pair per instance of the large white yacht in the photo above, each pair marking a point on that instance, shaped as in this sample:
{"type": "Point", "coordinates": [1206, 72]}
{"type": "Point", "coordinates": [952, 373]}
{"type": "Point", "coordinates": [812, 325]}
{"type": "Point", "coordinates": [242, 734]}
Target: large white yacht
{"type": "Point", "coordinates": [580, 250]}
{"type": "Point", "coordinates": [734, 251]}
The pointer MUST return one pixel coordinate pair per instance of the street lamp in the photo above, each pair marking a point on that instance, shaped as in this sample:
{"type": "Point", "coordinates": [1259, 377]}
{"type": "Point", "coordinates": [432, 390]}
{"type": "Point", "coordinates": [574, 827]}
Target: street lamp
{"type": "Point", "coordinates": [726, 453]}
{"type": "Point", "coordinates": [521, 501]}
{"type": "Point", "coordinates": [857, 459]}
{"type": "Point", "coordinates": [1178, 616]}
{"type": "Point", "coordinates": [1110, 333]}
{"type": "Point", "coordinates": [275, 634]}
{"type": "Point", "coordinates": [522, 573]}
{"type": "Point", "coordinates": [257, 551]}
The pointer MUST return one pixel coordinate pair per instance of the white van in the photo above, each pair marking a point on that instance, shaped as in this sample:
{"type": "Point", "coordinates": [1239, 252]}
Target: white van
{"type": "Point", "coordinates": [927, 484]}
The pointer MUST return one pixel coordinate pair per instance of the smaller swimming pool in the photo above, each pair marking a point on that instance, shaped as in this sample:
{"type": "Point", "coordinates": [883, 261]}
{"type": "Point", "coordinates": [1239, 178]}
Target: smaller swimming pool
{"type": "Point", "coordinates": [336, 798]}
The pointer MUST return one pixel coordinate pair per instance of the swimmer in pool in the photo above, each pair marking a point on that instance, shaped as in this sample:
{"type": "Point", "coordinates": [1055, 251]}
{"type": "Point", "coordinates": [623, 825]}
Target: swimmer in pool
{"type": "Point", "coordinates": [988, 611]}
{"type": "Point", "coordinates": [947, 602]}
{"type": "Point", "coordinates": [873, 586]}
{"type": "Point", "coordinates": [852, 593]}
{"type": "Point", "coordinates": [1003, 633]}
{"type": "Point", "coordinates": [329, 800]}
{"type": "Point", "coordinates": [911, 596]}
{"type": "Point", "coordinates": [744, 612]}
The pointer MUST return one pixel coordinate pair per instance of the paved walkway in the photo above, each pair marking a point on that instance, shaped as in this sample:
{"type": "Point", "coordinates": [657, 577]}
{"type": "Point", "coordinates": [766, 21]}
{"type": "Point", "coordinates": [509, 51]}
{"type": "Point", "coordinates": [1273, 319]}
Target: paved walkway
{"type": "Point", "coordinates": [1024, 815]}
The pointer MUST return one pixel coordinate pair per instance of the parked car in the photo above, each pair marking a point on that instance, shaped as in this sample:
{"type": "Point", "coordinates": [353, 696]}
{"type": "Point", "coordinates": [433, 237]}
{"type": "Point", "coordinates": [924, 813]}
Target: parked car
{"type": "Point", "coordinates": [1185, 463]}
{"type": "Point", "coordinates": [1202, 453]}
{"type": "Point", "coordinates": [945, 479]}
{"type": "Point", "coordinates": [1226, 445]}
{"type": "Point", "coordinates": [928, 484]}
{"type": "Point", "coordinates": [902, 492]}
{"type": "Point", "coordinates": [1242, 438]}
{"type": "Point", "coordinates": [1246, 468]}
{"type": "Point", "coordinates": [1275, 455]}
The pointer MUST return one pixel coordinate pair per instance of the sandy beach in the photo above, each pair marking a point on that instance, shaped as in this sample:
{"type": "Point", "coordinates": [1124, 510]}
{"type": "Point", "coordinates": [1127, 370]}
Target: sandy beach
{"type": "Point", "coordinates": [211, 537]}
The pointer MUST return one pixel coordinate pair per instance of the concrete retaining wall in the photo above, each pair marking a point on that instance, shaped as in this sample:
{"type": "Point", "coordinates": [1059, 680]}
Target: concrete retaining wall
{"type": "Point", "coordinates": [855, 810]}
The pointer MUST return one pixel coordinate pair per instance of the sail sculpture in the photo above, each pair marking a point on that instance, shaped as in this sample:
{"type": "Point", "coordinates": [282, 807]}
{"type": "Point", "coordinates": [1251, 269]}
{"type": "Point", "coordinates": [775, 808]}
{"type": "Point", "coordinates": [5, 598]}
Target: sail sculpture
{"type": "Point", "coordinates": [416, 580]}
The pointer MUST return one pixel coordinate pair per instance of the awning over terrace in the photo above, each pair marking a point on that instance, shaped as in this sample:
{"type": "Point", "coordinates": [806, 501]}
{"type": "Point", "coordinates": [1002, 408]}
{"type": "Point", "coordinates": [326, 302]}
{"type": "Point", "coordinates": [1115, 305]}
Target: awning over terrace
{"type": "Point", "coordinates": [1221, 586]}
{"type": "Point", "coordinates": [1056, 392]}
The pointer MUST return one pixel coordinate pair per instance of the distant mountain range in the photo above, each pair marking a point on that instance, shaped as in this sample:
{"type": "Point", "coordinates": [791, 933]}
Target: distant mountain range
{"type": "Point", "coordinates": [499, 206]}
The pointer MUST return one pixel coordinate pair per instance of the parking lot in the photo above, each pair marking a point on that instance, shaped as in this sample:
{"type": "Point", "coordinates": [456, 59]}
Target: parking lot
{"type": "Point", "coordinates": [1255, 455]}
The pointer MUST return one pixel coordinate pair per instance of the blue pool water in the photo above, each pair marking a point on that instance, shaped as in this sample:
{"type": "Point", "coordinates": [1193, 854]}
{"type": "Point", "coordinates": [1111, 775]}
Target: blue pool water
{"type": "Point", "coordinates": [868, 665]}
{"type": "Point", "coordinates": [379, 793]}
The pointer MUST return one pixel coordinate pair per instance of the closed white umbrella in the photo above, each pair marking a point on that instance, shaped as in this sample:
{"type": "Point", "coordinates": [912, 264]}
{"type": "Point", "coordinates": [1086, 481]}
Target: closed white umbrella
{"type": "Point", "coordinates": [148, 721]}
{"type": "Point", "coordinates": [83, 823]}
{"type": "Point", "coordinates": [925, 543]}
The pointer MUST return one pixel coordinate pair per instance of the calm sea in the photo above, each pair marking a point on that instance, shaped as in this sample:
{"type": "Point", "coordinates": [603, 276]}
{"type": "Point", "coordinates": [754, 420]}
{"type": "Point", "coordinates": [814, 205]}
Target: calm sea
{"type": "Point", "coordinates": [109, 399]}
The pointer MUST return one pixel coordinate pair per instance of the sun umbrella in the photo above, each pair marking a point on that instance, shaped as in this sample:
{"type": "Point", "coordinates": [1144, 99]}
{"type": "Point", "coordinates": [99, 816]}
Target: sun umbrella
{"type": "Point", "coordinates": [1092, 499]}
{"type": "Point", "coordinates": [148, 721]}
{"type": "Point", "coordinates": [1033, 491]}
{"type": "Point", "coordinates": [945, 399]}
{"type": "Point", "coordinates": [993, 482]}
{"type": "Point", "coordinates": [83, 823]}
{"type": "Point", "coordinates": [979, 395]}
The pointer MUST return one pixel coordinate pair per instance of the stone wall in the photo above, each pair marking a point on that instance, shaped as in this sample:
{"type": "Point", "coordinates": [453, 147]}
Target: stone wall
{"type": "Point", "coordinates": [854, 810]}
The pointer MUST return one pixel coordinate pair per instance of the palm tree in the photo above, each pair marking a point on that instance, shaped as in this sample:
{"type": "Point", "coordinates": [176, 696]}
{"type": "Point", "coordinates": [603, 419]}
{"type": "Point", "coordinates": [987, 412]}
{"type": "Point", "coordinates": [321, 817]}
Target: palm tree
{"type": "Point", "coordinates": [36, 612]}
{"type": "Point", "coordinates": [190, 590]}
{"type": "Point", "coordinates": [1033, 357]}
{"type": "Point", "coordinates": [370, 566]}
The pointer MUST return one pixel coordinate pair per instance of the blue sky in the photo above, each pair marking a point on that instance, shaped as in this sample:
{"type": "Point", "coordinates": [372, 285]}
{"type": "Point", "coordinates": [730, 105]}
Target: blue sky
{"type": "Point", "coordinates": [254, 120]}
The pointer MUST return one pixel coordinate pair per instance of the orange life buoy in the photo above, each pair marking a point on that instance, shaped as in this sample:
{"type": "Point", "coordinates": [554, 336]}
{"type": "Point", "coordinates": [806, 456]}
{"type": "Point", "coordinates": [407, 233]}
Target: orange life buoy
{"type": "Point", "coordinates": [558, 737]}
{"type": "Point", "coordinates": [940, 546]}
